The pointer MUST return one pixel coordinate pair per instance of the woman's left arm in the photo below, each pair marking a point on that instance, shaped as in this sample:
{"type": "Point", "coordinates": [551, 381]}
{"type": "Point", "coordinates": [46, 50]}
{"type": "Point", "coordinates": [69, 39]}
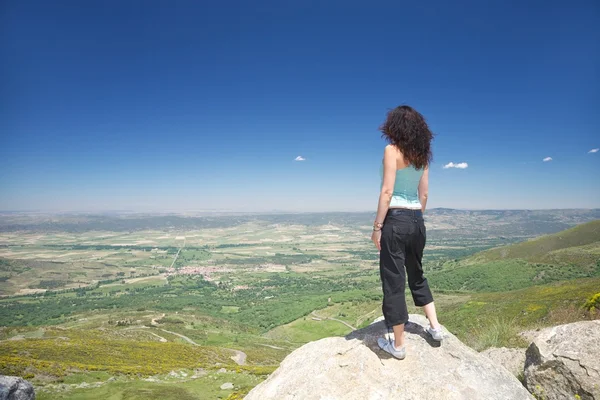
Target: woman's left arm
{"type": "Point", "coordinates": [387, 190]}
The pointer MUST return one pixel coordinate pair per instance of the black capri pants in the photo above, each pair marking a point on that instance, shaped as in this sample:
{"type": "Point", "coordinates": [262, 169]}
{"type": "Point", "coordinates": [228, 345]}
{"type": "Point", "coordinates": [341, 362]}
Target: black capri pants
{"type": "Point", "coordinates": [403, 239]}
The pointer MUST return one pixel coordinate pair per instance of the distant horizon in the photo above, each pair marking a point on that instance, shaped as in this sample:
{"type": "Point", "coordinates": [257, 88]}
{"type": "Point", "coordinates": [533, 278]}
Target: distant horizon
{"type": "Point", "coordinates": [223, 211]}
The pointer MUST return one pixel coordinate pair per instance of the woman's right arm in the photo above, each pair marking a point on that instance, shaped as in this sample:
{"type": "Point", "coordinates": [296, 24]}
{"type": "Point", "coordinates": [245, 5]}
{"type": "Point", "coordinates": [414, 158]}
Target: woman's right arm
{"type": "Point", "coordinates": [424, 188]}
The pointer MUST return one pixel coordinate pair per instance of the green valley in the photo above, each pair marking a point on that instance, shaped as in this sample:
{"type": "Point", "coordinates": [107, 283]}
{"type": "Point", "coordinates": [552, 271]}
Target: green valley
{"type": "Point", "coordinates": [177, 307]}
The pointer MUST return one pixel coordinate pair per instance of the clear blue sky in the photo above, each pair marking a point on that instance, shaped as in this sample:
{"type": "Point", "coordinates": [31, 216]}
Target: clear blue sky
{"type": "Point", "coordinates": [191, 105]}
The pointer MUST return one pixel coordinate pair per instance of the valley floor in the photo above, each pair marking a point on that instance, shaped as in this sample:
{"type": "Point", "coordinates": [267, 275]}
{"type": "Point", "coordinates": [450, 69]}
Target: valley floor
{"type": "Point", "coordinates": [209, 313]}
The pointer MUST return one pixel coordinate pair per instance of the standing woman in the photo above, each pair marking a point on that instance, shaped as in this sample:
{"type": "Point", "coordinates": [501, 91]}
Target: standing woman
{"type": "Point", "coordinates": [399, 228]}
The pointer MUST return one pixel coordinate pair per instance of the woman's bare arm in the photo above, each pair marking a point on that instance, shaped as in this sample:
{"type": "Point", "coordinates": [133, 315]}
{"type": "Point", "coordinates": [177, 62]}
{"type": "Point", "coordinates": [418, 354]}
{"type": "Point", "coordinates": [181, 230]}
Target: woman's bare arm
{"type": "Point", "coordinates": [389, 178]}
{"type": "Point", "coordinates": [424, 188]}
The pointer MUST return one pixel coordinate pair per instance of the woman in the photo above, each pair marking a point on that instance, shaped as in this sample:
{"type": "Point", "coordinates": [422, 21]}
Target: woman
{"type": "Point", "coordinates": [399, 229]}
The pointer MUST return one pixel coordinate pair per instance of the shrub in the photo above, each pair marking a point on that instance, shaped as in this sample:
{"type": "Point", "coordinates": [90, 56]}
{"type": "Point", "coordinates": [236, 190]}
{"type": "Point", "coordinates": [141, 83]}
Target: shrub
{"type": "Point", "coordinates": [497, 332]}
{"type": "Point", "coordinates": [593, 303]}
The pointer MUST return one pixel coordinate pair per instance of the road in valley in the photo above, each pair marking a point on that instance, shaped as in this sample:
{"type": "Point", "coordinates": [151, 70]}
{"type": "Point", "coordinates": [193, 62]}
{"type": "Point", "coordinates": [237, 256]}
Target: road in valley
{"type": "Point", "coordinates": [239, 357]}
{"type": "Point", "coordinates": [335, 319]}
{"type": "Point", "coordinates": [177, 255]}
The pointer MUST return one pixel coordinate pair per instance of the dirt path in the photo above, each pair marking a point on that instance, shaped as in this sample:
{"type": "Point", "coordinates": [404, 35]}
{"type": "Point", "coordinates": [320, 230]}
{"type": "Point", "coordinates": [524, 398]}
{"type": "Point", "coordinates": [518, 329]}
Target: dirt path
{"type": "Point", "coordinates": [239, 357]}
{"type": "Point", "coordinates": [187, 339]}
{"type": "Point", "coordinates": [271, 346]}
{"type": "Point", "coordinates": [161, 339]}
{"type": "Point", "coordinates": [334, 319]}
{"type": "Point", "coordinates": [153, 320]}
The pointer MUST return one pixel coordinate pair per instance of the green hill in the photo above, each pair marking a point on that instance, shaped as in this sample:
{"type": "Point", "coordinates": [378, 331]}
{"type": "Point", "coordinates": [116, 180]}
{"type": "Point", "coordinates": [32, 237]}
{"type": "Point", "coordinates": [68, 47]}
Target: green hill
{"type": "Point", "coordinates": [570, 254]}
{"type": "Point", "coordinates": [558, 247]}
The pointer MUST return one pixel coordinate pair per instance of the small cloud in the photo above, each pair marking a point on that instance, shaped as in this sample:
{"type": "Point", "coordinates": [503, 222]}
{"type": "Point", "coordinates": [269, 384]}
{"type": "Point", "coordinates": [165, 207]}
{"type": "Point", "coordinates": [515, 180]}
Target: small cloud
{"type": "Point", "coordinates": [461, 165]}
{"type": "Point", "coordinates": [547, 159]}
{"type": "Point", "coordinates": [299, 158]}
{"type": "Point", "coordinates": [593, 151]}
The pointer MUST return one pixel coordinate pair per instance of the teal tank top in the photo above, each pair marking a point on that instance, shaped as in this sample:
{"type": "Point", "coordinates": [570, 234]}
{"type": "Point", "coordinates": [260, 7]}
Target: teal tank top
{"type": "Point", "coordinates": [406, 187]}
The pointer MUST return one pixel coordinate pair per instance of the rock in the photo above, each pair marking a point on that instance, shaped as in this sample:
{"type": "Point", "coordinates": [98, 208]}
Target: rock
{"type": "Point", "coordinates": [198, 373]}
{"type": "Point", "coordinates": [355, 368]}
{"type": "Point", "coordinates": [511, 359]}
{"type": "Point", "coordinates": [221, 371]}
{"type": "Point", "coordinates": [530, 335]}
{"type": "Point", "coordinates": [227, 386]}
{"type": "Point", "coordinates": [562, 362]}
{"type": "Point", "coordinates": [15, 388]}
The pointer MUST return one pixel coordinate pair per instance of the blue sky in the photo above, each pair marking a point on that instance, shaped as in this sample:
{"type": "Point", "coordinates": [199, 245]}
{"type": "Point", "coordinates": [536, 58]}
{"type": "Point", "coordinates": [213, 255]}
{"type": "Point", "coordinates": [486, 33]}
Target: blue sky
{"type": "Point", "coordinates": [196, 105]}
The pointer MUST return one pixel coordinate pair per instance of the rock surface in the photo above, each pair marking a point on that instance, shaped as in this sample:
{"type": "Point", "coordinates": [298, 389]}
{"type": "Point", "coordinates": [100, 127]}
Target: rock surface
{"type": "Point", "coordinates": [15, 388]}
{"type": "Point", "coordinates": [227, 386]}
{"type": "Point", "coordinates": [563, 362]}
{"type": "Point", "coordinates": [511, 359]}
{"type": "Point", "coordinates": [355, 368]}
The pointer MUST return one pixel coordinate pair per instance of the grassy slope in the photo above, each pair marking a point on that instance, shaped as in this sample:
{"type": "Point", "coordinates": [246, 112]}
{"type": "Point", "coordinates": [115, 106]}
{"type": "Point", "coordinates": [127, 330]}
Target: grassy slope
{"type": "Point", "coordinates": [570, 254]}
{"type": "Point", "coordinates": [91, 350]}
{"type": "Point", "coordinates": [204, 387]}
{"type": "Point", "coordinates": [307, 329]}
{"type": "Point", "coordinates": [494, 319]}
{"type": "Point", "coordinates": [357, 314]}
{"type": "Point", "coordinates": [541, 248]}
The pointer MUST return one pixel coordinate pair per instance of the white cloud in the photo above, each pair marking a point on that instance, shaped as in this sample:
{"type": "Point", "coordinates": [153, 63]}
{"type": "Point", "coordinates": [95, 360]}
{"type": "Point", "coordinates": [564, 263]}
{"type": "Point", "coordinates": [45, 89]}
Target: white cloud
{"type": "Point", "coordinates": [593, 151]}
{"type": "Point", "coordinates": [547, 159]}
{"type": "Point", "coordinates": [461, 165]}
{"type": "Point", "coordinates": [299, 158]}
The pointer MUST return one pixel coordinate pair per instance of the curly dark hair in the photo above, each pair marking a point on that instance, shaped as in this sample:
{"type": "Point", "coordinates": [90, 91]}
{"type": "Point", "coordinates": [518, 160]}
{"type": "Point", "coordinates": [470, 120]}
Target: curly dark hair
{"type": "Point", "coordinates": [406, 129]}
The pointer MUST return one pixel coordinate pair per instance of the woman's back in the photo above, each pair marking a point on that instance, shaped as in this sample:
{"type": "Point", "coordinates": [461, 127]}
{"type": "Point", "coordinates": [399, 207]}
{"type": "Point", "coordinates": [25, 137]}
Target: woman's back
{"type": "Point", "coordinates": [406, 185]}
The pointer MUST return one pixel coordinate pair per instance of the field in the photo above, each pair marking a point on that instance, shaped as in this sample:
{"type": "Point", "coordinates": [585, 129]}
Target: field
{"type": "Point", "coordinates": [168, 306]}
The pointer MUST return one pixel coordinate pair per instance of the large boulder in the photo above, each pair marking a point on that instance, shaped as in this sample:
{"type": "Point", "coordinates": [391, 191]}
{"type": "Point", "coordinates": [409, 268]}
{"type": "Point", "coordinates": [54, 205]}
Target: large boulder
{"type": "Point", "coordinates": [355, 368]}
{"type": "Point", "coordinates": [563, 362]}
{"type": "Point", "coordinates": [511, 359]}
{"type": "Point", "coordinates": [15, 388]}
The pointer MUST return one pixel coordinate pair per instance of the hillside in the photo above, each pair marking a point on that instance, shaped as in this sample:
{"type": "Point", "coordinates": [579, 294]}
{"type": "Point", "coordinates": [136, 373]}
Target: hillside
{"type": "Point", "coordinates": [494, 319]}
{"type": "Point", "coordinates": [558, 247]}
{"type": "Point", "coordinates": [570, 254]}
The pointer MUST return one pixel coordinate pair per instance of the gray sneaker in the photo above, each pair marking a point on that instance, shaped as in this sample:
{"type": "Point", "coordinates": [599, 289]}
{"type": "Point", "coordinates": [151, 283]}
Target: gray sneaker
{"type": "Point", "coordinates": [388, 347]}
{"type": "Point", "coordinates": [436, 334]}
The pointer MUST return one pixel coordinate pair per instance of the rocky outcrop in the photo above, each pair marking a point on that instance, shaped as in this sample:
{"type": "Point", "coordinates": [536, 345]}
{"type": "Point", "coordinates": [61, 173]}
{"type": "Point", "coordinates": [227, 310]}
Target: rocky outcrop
{"type": "Point", "coordinates": [355, 368]}
{"type": "Point", "coordinates": [511, 359]}
{"type": "Point", "coordinates": [15, 388]}
{"type": "Point", "coordinates": [563, 362]}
